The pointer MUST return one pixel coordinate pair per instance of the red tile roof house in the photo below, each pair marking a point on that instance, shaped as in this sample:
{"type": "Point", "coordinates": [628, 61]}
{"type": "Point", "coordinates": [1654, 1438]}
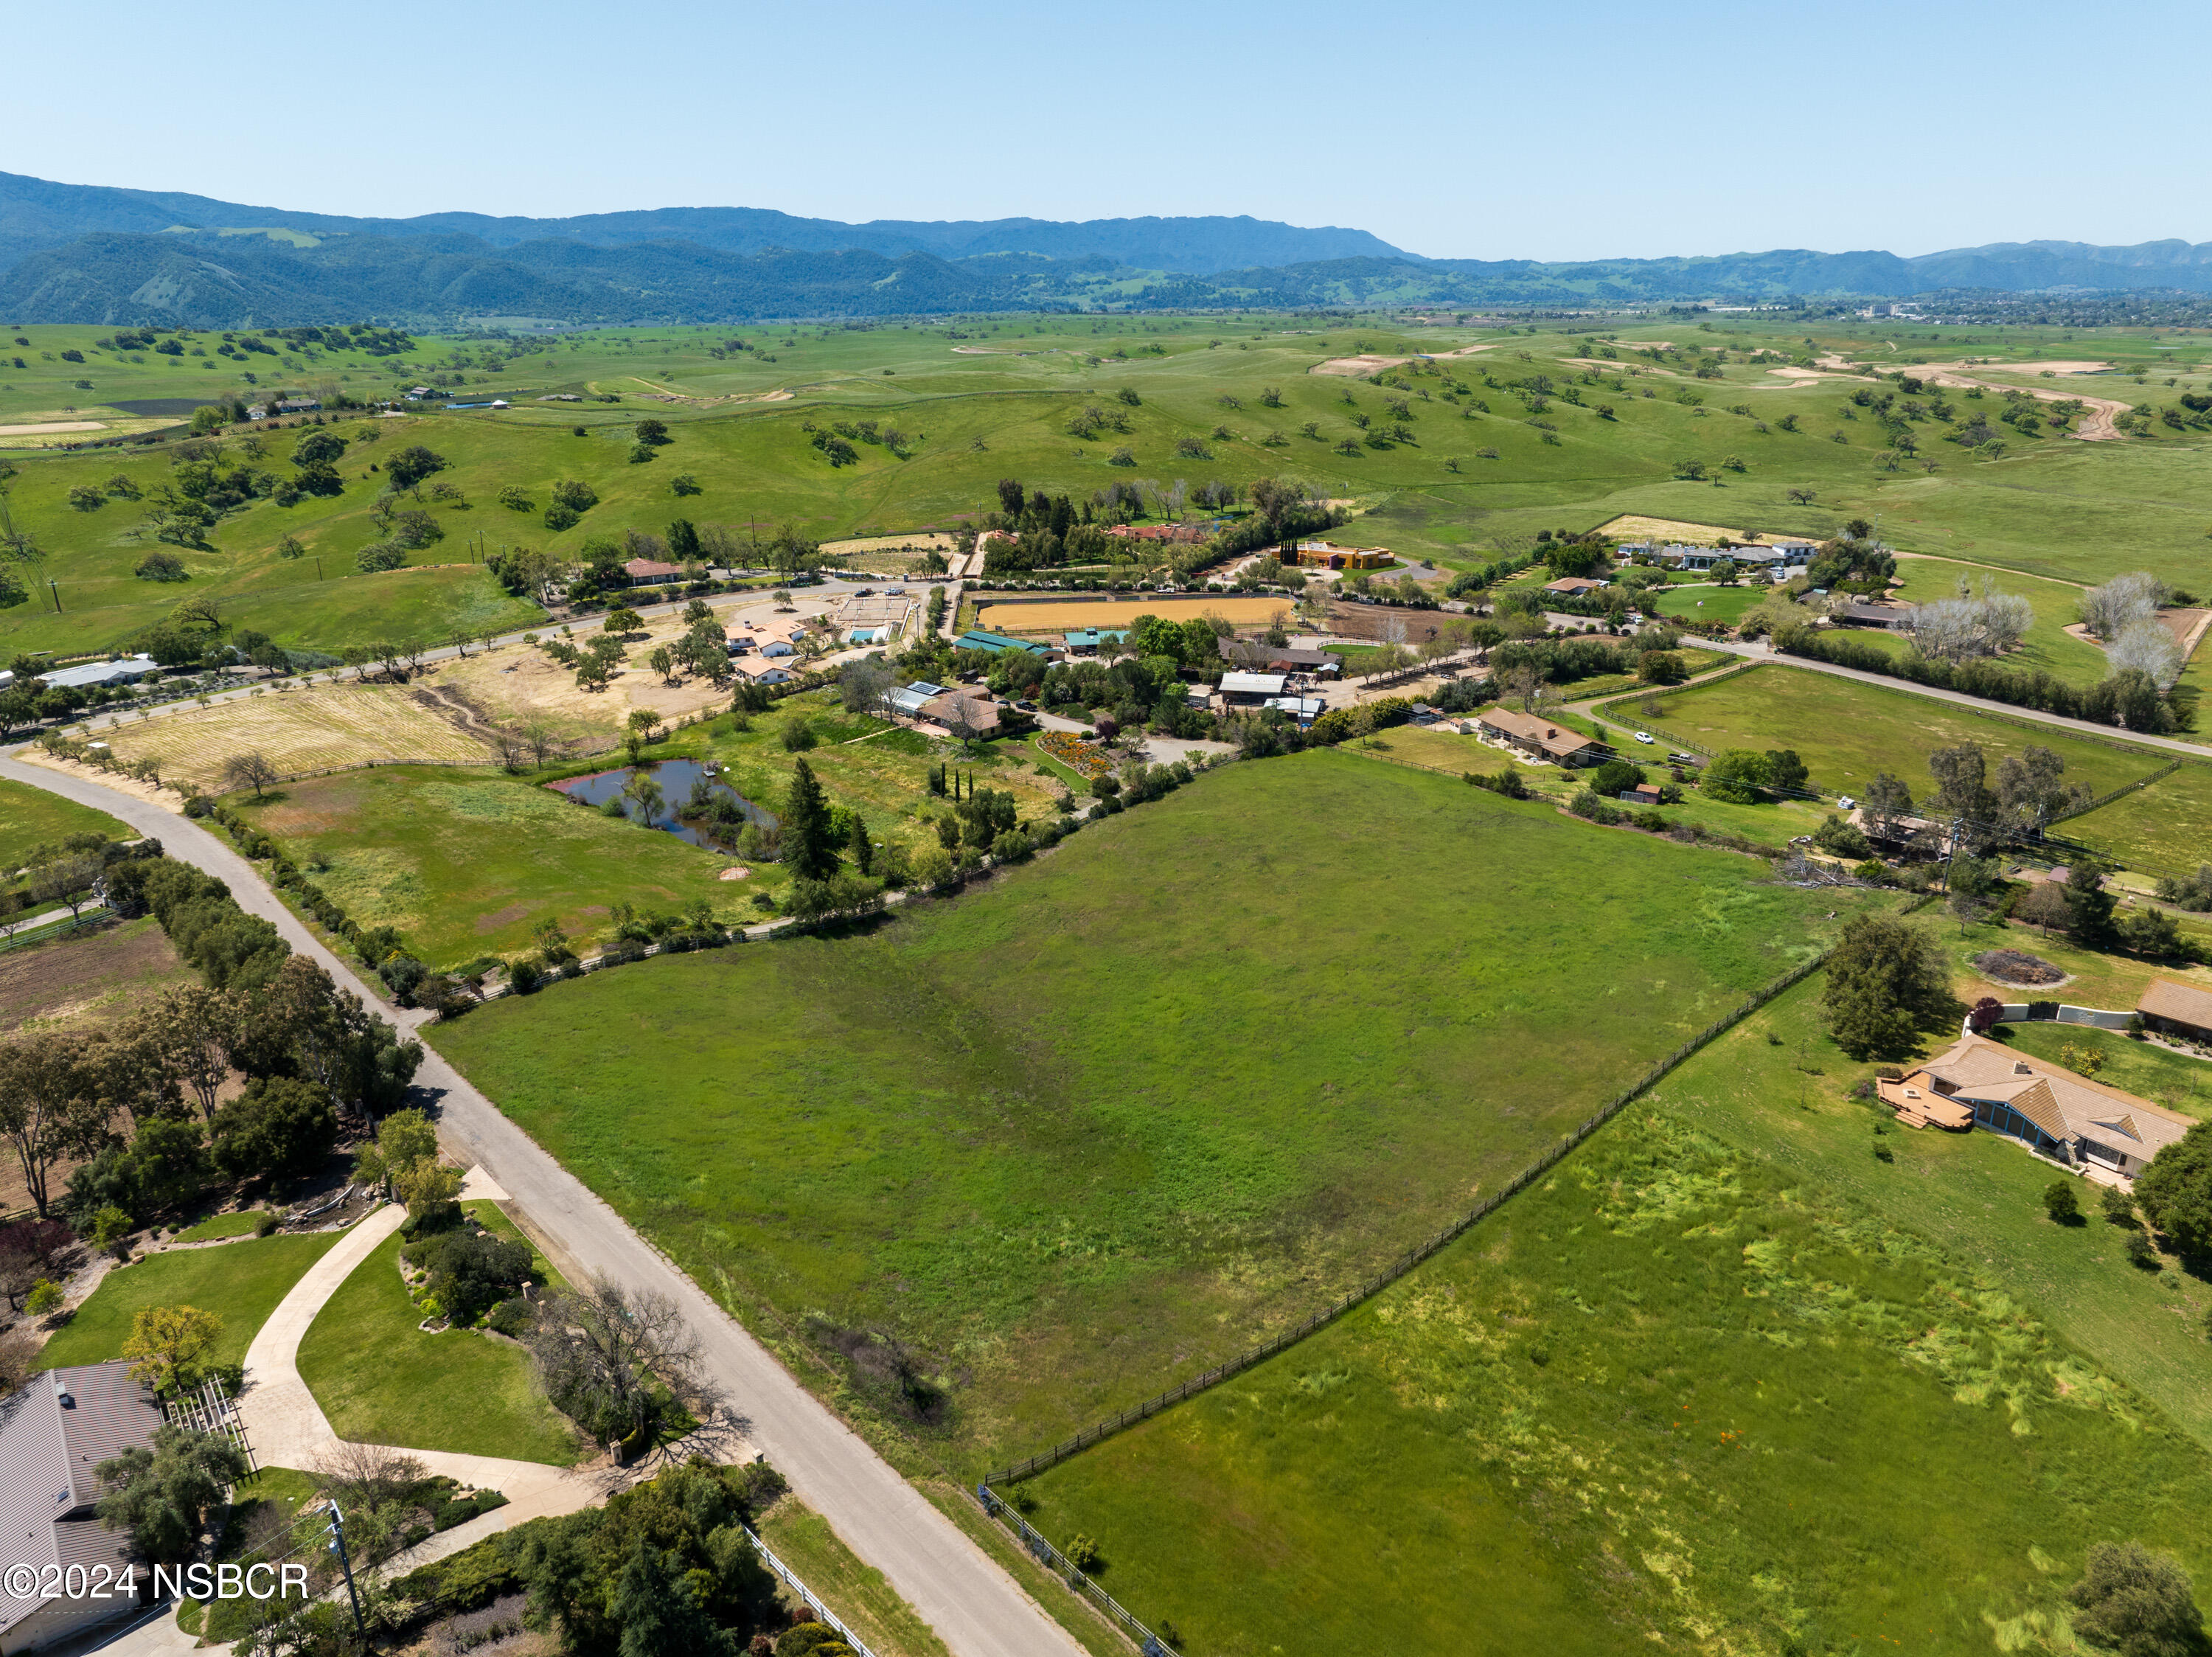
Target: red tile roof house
{"type": "Point", "coordinates": [54, 1432]}
{"type": "Point", "coordinates": [646, 570]}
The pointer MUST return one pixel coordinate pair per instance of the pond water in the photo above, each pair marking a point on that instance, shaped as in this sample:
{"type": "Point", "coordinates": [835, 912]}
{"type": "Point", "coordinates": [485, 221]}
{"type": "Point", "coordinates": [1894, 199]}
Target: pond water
{"type": "Point", "coordinates": [676, 778]}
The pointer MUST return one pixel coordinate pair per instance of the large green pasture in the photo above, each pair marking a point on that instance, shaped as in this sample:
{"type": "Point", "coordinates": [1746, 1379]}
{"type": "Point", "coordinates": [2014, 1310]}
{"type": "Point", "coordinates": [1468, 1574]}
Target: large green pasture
{"type": "Point", "coordinates": [1845, 731]}
{"type": "Point", "coordinates": [2165, 829]}
{"type": "Point", "coordinates": [468, 863]}
{"type": "Point", "coordinates": [1071, 1137]}
{"type": "Point", "coordinates": [1678, 1398]}
{"type": "Point", "coordinates": [1778, 1088]}
{"type": "Point", "coordinates": [986, 399]}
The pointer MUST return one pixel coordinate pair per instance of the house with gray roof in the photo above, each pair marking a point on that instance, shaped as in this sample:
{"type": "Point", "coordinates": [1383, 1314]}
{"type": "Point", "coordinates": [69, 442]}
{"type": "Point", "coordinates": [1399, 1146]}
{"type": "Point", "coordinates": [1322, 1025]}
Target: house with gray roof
{"type": "Point", "coordinates": [54, 1431]}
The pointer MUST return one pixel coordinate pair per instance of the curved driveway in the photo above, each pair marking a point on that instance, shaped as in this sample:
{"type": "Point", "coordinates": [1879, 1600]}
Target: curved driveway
{"type": "Point", "coordinates": [975, 1607]}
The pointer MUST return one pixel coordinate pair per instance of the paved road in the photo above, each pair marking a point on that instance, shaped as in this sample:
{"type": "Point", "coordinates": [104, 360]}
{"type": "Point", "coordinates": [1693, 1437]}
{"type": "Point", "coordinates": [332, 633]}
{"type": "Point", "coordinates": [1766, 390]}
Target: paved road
{"type": "Point", "coordinates": [971, 1603]}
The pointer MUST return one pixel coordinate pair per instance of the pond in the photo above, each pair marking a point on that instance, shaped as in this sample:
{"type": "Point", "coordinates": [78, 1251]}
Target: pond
{"type": "Point", "coordinates": [678, 780]}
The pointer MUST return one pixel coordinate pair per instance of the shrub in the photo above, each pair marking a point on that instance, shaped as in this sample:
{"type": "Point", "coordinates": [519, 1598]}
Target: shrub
{"type": "Point", "coordinates": [2140, 1251]}
{"type": "Point", "coordinates": [2060, 1203]}
{"type": "Point", "coordinates": [525, 975]}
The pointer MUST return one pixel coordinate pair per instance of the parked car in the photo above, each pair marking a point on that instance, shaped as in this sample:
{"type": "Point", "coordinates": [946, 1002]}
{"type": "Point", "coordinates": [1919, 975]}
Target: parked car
{"type": "Point", "coordinates": [865, 593]}
{"type": "Point", "coordinates": [1026, 707]}
{"type": "Point", "coordinates": [1643, 736]}
{"type": "Point", "coordinates": [1681, 758]}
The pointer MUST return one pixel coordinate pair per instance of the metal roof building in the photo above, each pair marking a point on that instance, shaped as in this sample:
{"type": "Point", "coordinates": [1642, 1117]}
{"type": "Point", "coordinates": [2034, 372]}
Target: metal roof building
{"type": "Point", "coordinates": [54, 1432]}
{"type": "Point", "coordinates": [86, 674]}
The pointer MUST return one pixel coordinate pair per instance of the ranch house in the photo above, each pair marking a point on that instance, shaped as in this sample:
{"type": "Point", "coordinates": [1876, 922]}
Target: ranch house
{"type": "Point", "coordinates": [2061, 1115]}
{"type": "Point", "coordinates": [1539, 739]}
{"type": "Point", "coordinates": [54, 1432]}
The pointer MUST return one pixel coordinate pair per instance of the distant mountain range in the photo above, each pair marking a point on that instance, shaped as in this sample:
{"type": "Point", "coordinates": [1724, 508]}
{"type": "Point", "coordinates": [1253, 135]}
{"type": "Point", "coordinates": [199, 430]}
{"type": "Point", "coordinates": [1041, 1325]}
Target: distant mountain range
{"type": "Point", "coordinates": [87, 253]}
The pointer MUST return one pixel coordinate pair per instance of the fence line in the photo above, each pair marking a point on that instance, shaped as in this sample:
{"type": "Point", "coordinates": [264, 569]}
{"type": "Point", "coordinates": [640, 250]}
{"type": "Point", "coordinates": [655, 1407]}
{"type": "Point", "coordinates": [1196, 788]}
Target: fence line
{"type": "Point", "coordinates": [1042, 1550]}
{"type": "Point", "coordinates": [2162, 772]}
{"type": "Point", "coordinates": [1420, 1252]}
{"type": "Point", "coordinates": [822, 1612]}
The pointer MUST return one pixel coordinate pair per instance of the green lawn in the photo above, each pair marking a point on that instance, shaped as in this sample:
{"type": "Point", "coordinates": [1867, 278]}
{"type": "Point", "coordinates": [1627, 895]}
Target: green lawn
{"type": "Point", "coordinates": [1711, 603]}
{"type": "Point", "coordinates": [2047, 646]}
{"type": "Point", "coordinates": [31, 818]}
{"type": "Point", "coordinates": [2161, 830]}
{"type": "Point", "coordinates": [1674, 1399]}
{"type": "Point", "coordinates": [1845, 731]}
{"type": "Point", "coordinates": [2095, 978]}
{"type": "Point", "coordinates": [381, 1380]}
{"type": "Point", "coordinates": [1080, 1093]}
{"type": "Point", "coordinates": [468, 863]}
{"type": "Point", "coordinates": [2178, 1081]}
{"type": "Point", "coordinates": [239, 1282]}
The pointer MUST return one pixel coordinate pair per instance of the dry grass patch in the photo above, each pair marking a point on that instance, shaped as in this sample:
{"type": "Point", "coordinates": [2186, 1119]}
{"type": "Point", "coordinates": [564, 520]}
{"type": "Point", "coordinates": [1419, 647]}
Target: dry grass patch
{"type": "Point", "coordinates": [1120, 613]}
{"type": "Point", "coordinates": [1635, 526]}
{"type": "Point", "coordinates": [324, 728]}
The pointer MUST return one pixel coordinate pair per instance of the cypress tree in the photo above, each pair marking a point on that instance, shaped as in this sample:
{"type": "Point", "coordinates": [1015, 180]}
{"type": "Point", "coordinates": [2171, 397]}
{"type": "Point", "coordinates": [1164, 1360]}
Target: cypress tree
{"type": "Point", "coordinates": [808, 846]}
{"type": "Point", "coordinates": [864, 851]}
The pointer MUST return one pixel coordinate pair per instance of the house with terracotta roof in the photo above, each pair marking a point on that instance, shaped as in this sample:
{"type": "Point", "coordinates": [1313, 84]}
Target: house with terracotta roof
{"type": "Point", "coordinates": [1539, 739]}
{"type": "Point", "coordinates": [652, 569]}
{"type": "Point", "coordinates": [2060, 1115]}
{"type": "Point", "coordinates": [54, 1431]}
{"type": "Point", "coordinates": [1573, 586]}
{"type": "Point", "coordinates": [2177, 1009]}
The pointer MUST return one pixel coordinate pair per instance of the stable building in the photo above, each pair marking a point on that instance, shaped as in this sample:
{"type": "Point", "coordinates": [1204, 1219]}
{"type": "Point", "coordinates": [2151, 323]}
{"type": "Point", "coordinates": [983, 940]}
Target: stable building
{"type": "Point", "coordinates": [1248, 690]}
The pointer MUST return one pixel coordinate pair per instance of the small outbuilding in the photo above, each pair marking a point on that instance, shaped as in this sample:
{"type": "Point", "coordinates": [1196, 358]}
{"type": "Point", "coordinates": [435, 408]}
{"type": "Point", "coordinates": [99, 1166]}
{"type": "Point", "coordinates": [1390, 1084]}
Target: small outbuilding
{"type": "Point", "coordinates": [2177, 1009]}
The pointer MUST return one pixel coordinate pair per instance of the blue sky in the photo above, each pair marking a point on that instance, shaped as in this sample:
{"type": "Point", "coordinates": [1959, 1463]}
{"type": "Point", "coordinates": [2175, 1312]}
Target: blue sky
{"type": "Point", "coordinates": [1575, 129]}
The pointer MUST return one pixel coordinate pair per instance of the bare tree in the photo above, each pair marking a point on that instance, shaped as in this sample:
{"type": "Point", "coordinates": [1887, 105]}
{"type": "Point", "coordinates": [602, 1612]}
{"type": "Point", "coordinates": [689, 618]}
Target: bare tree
{"type": "Point", "coordinates": [2106, 610]}
{"type": "Point", "coordinates": [605, 1353]}
{"type": "Point", "coordinates": [510, 745]}
{"type": "Point", "coordinates": [253, 770]}
{"type": "Point", "coordinates": [2145, 643]}
{"type": "Point", "coordinates": [542, 738]}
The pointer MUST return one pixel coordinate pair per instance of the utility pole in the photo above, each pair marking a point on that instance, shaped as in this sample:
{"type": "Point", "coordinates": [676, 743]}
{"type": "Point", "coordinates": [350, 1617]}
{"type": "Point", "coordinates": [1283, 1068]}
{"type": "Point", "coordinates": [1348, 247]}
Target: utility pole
{"type": "Point", "coordinates": [337, 1531]}
{"type": "Point", "coordinates": [55, 587]}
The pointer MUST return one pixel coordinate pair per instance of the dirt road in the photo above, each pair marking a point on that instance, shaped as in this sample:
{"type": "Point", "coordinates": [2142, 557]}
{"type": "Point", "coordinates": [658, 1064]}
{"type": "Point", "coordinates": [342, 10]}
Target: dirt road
{"type": "Point", "coordinates": [972, 1604]}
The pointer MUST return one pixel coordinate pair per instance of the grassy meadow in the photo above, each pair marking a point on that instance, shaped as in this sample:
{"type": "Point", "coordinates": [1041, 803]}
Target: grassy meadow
{"type": "Point", "coordinates": [31, 818]}
{"type": "Point", "coordinates": [2166, 828]}
{"type": "Point", "coordinates": [1845, 731]}
{"type": "Point", "coordinates": [1677, 1396]}
{"type": "Point", "coordinates": [469, 861]}
{"type": "Point", "coordinates": [986, 399]}
{"type": "Point", "coordinates": [1076, 1089]}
